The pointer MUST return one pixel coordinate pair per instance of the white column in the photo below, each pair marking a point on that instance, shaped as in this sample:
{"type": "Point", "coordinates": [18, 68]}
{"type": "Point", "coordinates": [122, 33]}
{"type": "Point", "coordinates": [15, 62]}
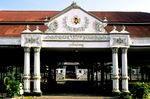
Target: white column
{"type": "Point", "coordinates": [124, 70]}
{"type": "Point", "coordinates": [37, 76]}
{"type": "Point", "coordinates": [26, 75]}
{"type": "Point", "coordinates": [115, 76]}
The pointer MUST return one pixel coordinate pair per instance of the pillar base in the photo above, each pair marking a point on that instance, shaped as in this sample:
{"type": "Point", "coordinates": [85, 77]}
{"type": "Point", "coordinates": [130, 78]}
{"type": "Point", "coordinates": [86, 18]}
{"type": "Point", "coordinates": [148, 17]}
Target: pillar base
{"type": "Point", "coordinates": [116, 92]}
{"type": "Point", "coordinates": [27, 94]}
{"type": "Point", "coordinates": [126, 91]}
{"type": "Point", "coordinates": [37, 93]}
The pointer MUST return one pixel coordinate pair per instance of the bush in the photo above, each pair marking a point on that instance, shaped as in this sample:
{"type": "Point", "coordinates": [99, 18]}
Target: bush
{"type": "Point", "coordinates": [140, 90]}
{"type": "Point", "coordinates": [125, 95]}
{"type": "Point", "coordinates": [11, 84]}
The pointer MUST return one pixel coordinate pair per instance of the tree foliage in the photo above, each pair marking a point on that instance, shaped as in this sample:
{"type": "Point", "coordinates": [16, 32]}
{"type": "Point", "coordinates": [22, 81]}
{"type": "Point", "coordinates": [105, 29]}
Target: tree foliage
{"type": "Point", "coordinates": [140, 90]}
{"type": "Point", "coordinates": [11, 83]}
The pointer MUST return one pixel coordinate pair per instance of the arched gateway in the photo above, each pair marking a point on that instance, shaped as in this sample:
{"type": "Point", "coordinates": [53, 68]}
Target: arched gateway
{"type": "Point", "coordinates": [75, 28]}
{"type": "Point", "coordinates": [74, 42]}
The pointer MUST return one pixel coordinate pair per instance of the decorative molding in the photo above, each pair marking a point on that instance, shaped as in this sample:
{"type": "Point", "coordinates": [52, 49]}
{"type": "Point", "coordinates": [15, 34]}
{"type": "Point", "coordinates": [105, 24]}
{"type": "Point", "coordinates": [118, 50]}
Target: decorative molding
{"type": "Point", "coordinates": [124, 77]}
{"type": "Point", "coordinates": [100, 26]}
{"type": "Point", "coordinates": [26, 77]}
{"type": "Point", "coordinates": [72, 37]}
{"type": "Point", "coordinates": [115, 90]}
{"type": "Point", "coordinates": [52, 27]}
{"type": "Point", "coordinates": [75, 29]}
{"type": "Point", "coordinates": [114, 50]}
{"type": "Point", "coordinates": [27, 49]}
{"type": "Point", "coordinates": [37, 49]}
{"type": "Point", "coordinates": [125, 90]}
{"type": "Point", "coordinates": [36, 77]}
{"type": "Point", "coordinates": [120, 41]}
{"type": "Point", "coordinates": [124, 50]}
{"type": "Point", "coordinates": [115, 76]}
{"type": "Point", "coordinates": [31, 40]}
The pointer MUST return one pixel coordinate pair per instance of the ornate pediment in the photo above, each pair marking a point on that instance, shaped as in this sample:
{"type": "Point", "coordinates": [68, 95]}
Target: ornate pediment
{"type": "Point", "coordinates": [75, 28]}
{"type": "Point", "coordinates": [74, 19]}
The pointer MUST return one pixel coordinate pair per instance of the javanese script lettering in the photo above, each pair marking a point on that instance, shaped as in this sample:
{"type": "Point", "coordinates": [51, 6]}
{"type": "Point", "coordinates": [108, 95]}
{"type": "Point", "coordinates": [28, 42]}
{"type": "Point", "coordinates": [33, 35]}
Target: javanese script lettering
{"type": "Point", "coordinates": [77, 37]}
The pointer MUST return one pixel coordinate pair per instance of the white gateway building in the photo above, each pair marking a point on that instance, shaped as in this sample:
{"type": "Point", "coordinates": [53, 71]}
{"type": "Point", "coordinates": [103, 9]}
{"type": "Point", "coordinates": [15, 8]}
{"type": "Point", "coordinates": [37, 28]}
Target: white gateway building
{"type": "Point", "coordinates": [107, 44]}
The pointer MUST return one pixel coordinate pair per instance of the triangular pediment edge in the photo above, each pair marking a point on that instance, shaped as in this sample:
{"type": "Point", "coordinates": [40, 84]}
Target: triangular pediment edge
{"type": "Point", "coordinates": [100, 24]}
{"type": "Point", "coordinates": [73, 6]}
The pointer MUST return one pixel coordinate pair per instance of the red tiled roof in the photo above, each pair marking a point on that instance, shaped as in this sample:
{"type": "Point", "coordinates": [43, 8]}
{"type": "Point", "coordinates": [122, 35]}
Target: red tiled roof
{"type": "Point", "coordinates": [25, 15]}
{"type": "Point", "coordinates": [133, 17]}
{"type": "Point", "coordinates": [132, 21]}
{"type": "Point", "coordinates": [40, 15]}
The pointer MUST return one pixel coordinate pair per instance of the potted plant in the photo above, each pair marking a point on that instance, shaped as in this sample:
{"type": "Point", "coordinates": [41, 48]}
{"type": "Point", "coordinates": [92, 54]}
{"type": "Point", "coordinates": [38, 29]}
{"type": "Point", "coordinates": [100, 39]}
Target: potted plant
{"type": "Point", "coordinates": [11, 83]}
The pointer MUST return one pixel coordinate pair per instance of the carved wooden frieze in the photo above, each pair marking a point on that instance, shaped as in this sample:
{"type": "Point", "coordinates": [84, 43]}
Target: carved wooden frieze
{"type": "Point", "coordinates": [119, 41]}
{"type": "Point", "coordinates": [31, 40]}
{"type": "Point", "coordinates": [99, 26]}
{"type": "Point", "coordinates": [52, 27]}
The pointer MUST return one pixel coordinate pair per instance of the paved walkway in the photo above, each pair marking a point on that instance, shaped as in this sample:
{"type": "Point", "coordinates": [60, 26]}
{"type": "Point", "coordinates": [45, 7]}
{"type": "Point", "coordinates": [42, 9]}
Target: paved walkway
{"type": "Point", "coordinates": [73, 97]}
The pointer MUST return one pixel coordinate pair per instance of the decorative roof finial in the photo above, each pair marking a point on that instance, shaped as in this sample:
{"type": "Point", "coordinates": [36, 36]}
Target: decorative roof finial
{"type": "Point", "coordinates": [37, 29]}
{"type": "Point", "coordinates": [105, 19]}
{"type": "Point", "coordinates": [74, 5]}
{"type": "Point", "coordinates": [114, 29]}
{"type": "Point", "coordinates": [27, 28]}
{"type": "Point", "coordinates": [124, 30]}
{"type": "Point", "coordinates": [46, 18]}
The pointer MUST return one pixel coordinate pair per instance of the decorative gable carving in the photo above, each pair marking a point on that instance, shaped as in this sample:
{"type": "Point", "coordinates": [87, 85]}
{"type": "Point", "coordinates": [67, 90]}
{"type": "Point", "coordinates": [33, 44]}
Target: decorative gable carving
{"type": "Point", "coordinates": [75, 28]}
{"type": "Point", "coordinates": [75, 20]}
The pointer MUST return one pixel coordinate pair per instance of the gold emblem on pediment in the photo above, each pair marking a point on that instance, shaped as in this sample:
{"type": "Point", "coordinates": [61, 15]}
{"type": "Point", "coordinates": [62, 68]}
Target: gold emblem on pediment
{"type": "Point", "coordinates": [75, 20]}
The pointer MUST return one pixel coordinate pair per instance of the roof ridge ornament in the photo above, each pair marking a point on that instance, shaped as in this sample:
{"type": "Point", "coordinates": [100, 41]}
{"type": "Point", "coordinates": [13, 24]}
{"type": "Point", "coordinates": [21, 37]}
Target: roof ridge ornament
{"type": "Point", "coordinates": [123, 30]}
{"type": "Point", "coordinates": [27, 29]}
{"type": "Point", "coordinates": [46, 18]}
{"type": "Point", "coordinates": [74, 5]}
{"type": "Point", "coordinates": [37, 30]}
{"type": "Point", "coordinates": [114, 29]}
{"type": "Point", "coordinates": [105, 19]}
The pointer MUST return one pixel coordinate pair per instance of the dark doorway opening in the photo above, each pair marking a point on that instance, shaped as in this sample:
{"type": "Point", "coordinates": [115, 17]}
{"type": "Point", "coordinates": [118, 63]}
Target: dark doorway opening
{"type": "Point", "coordinates": [82, 78]}
{"type": "Point", "coordinates": [70, 72]}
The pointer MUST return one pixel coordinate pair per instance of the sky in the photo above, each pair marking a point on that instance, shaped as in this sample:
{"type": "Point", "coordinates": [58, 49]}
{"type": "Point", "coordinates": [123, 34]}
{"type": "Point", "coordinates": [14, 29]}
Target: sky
{"type": "Point", "coordinates": [89, 5]}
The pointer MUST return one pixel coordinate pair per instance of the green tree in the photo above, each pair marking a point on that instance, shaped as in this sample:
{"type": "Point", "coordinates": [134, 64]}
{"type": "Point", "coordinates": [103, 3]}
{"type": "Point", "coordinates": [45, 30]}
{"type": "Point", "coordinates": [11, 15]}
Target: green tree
{"type": "Point", "coordinates": [11, 83]}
